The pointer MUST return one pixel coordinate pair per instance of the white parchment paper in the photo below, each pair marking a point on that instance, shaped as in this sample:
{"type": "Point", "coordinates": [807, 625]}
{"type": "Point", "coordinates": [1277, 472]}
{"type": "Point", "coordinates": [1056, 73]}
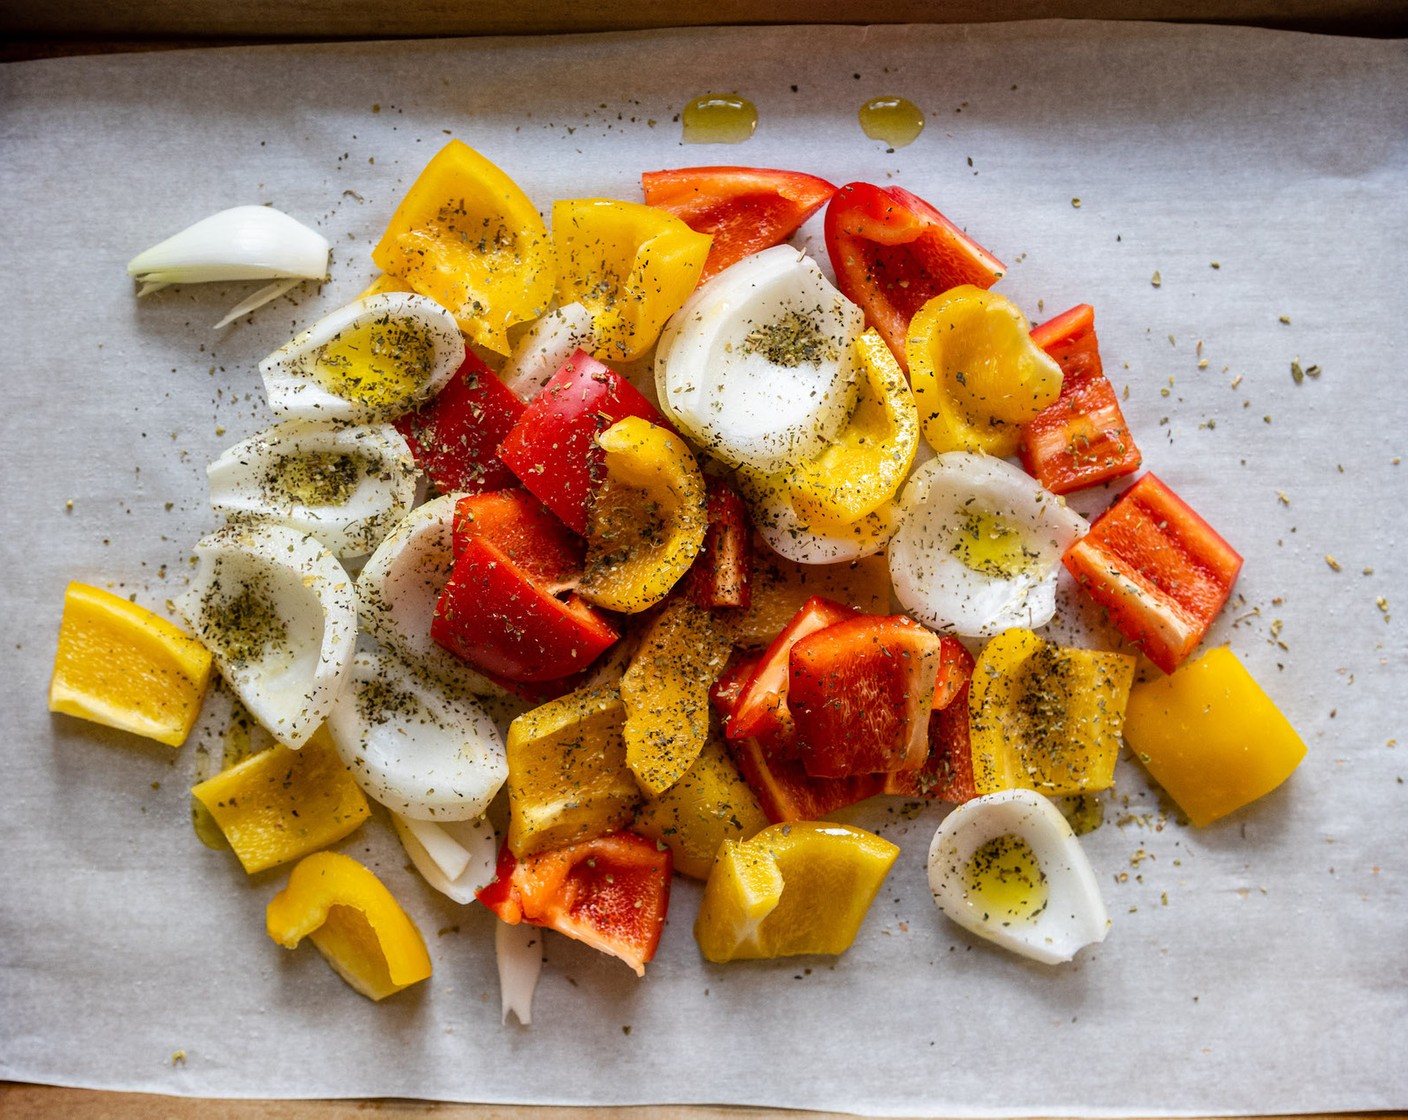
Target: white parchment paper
{"type": "Point", "coordinates": [1257, 965]}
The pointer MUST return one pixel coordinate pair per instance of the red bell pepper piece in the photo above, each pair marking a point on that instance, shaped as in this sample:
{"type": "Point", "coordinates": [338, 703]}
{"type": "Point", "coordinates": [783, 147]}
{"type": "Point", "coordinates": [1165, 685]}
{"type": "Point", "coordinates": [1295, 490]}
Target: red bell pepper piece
{"type": "Point", "coordinates": [455, 436]}
{"type": "Point", "coordinates": [892, 253]}
{"type": "Point", "coordinates": [523, 529]}
{"type": "Point", "coordinates": [611, 893]}
{"type": "Point", "coordinates": [553, 448]}
{"type": "Point", "coordinates": [955, 670]}
{"type": "Point", "coordinates": [1161, 571]}
{"type": "Point", "coordinates": [722, 573]}
{"type": "Point", "coordinates": [744, 209]}
{"type": "Point", "coordinates": [761, 711]}
{"type": "Point", "coordinates": [1082, 439]}
{"type": "Point", "coordinates": [497, 617]}
{"type": "Point", "coordinates": [785, 791]}
{"type": "Point", "coordinates": [860, 694]}
{"type": "Point", "coordinates": [947, 773]}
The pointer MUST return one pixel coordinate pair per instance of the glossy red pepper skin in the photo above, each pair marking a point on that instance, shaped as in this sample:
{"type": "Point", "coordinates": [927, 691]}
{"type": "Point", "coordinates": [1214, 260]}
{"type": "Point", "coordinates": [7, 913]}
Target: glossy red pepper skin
{"type": "Point", "coordinates": [955, 671]}
{"type": "Point", "coordinates": [722, 573]}
{"type": "Point", "coordinates": [892, 253]}
{"type": "Point", "coordinates": [1161, 571]}
{"type": "Point", "coordinates": [553, 450]}
{"type": "Point", "coordinates": [947, 773]}
{"type": "Point", "coordinates": [785, 791]}
{"type": "Point", "coordinates": [524, 530]}
{"type": "Point", "coordinates": [611, 893]}
{"type": "Point", "coordinates": [499, 619]}
{"type": "Point", "coordinates": [761, 711]}
{"type": "Point", "coordinates": [1082, 439]}
{"type": "Point", "coordinates": [860, 694]}
{"type": "Point", "coordinates": [455, 436]}
{"type": "Point", "coordinates": [744, 209]}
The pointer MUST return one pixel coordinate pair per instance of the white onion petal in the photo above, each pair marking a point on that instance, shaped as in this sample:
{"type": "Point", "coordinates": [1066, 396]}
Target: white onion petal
{"type": "Point", "coordinates": [374, 359]}
{"type": "Point", "coordinates": [519, 952]}
{"type": "Point", "coordinates": [348, 485]}
{"type": "Point", "coordinates": [415, 746]}
{"type": "Point", "coordinates": [279, 615]}
{"type": "Point", "coordinates": [545, 348]}
{"type": "Point", "coordinates": [457, 858]}
{"type": "Point", "coordinates": [979, 545]}
{"type": "Point", "coordinates": [1070, 916]}
{"type": "Point", "coordinates": [759, 365]}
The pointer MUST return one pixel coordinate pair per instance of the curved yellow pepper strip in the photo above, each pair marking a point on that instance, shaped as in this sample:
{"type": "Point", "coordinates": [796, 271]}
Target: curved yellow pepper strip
{"type": "Point", "coordinates": [868, 461]}
{"type": "Point", "coordinates": [666, 693]}
{"type": "Point", "coordinates": [647, 519]}
{"type": "Point", "coordinates": [469, 238]}
{"type": "Point", "coordinates": [632, 266]}
{"type": "Point", "coordinates": [353, 921]}
{"type": "Point", "coordinates": [976, 373]}
{"type": "Point", "coordinates": [280, 804]}
{"type": "Point", "coordinates": [1046, 717]}
{"type": "Point", "coordinates": [120, 665]}
{"type": "Point", "coordinates": [1211, 737]}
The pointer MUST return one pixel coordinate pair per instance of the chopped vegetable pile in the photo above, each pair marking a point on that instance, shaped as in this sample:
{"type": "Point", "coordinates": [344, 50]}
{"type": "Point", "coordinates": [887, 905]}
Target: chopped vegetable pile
{"type": "Point", "coordinates": [652, 541]}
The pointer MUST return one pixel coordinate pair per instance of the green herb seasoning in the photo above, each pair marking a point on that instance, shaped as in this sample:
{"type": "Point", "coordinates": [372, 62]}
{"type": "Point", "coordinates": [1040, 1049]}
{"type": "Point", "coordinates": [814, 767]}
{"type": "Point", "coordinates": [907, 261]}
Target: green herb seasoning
{"type": "Point", "coordinates": [792, 341]}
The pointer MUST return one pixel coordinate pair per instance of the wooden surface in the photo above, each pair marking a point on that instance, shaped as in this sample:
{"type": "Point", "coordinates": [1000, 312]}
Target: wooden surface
{"type": "Point", "coordinates": [33, 28]}
{"type": "Point", "coordinates": [33, 1102]}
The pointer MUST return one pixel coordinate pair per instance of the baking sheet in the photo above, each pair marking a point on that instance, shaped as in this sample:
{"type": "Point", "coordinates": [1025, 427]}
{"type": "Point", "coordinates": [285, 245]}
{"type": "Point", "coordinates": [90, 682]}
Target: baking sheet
{"type": "Point", "coordinates": [1253, 966]}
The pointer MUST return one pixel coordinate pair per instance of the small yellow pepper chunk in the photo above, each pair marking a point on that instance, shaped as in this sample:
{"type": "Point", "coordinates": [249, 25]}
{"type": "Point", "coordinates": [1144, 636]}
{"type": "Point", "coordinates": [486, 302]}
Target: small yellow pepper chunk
{"type": "Point", "coordinates": [1046, 717]}
{"type": "Point", "coordinates": [666, 693]}
{"type": "Point", "coordinates": [976, 373]}
{"type": "Point", "coordinates": [865, 465]}
{"type": "Point", "coordinates": [280, 804]}
{"type": "Point", "coordinates": [647, 520]}
{"type": "Point", "coordinates": [120, 665]}
{"type": "Point", "coordinates": [710, 804]}
{"type": "Point", "coordinates": [1211, 737]}
{"type": "Point", "coordinates": [467, 236]}
{"type": "Point", "coordinates": [632, 266]}
{"type": "Point", "coordinates": [568, 781]}
{"type": "Point", "coordinates": [353, 920]}
{"type": "Point", "coordinates": [792, 889]}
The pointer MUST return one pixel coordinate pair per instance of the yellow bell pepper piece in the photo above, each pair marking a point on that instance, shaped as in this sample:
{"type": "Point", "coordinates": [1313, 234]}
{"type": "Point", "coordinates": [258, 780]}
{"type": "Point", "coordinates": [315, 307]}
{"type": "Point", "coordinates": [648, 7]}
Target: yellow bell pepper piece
{"type": "Point", "coordinates": [665, 690]}
{"type": "Point", "coordinates": [120, 665]}
{"type": "Point", "coordinates": [976, 373]}
{"type": "Point", "coordinates": [383, 283]}
{"type": "Point", "coordinates": [632, 266]}
{"type": "Point", "coordinates": [568, 780]}
{"type": "Point", "coordinates": [1211, 737]}
{"type": "Point", "coordinates": [353, 920]}
{"type": "Point", "coordinates": [792, 889]}
{"type": "Point", "coordinates": [647, 520]}
{"type": "Point", "coordinates": [865, 465]}
{"type": "Point", "coordinates": [281, 804]}
{"type": "Point", "coordinates": [710, 804]}
{"type": "Point", "coordinates": [467, 236]}
{"type": "Point", "coordinates": [1046, 717]}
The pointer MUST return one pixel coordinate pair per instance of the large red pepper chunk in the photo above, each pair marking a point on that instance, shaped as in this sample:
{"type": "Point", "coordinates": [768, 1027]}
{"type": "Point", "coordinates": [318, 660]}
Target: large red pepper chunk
{"type": "Point", "coordinates": [499, 609]}
{"type": "Point", "coordinates": [860, 694]}
{"type": "Point", "coordinates": [785, 791]}
{"type": "Point", "coordinates": [892, 253]}
{"type": "Point", "coordinates": [744, 209]}
{"type": "Point", "coordinates": [611, 893]}
{"type": "Point", "coordinates": [455, 436]}
{"type": "Point", "coordinates": [1161, 571]}
{"type": "Point", "coordinates": [1082, 439]}
{"type": "Point", "coordinates": [761, 710]}
{"type": "Point", "coordinates": [553, 450]}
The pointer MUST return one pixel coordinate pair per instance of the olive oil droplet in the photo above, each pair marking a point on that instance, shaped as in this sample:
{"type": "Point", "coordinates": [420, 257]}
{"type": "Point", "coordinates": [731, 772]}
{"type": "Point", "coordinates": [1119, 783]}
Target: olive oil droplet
{"type": "Point", "coordinates": [894, 120]}
{"type": "Point", "coordinates": [1004, 881]}
{"type": "Point", "coordinates": [719, 119]}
